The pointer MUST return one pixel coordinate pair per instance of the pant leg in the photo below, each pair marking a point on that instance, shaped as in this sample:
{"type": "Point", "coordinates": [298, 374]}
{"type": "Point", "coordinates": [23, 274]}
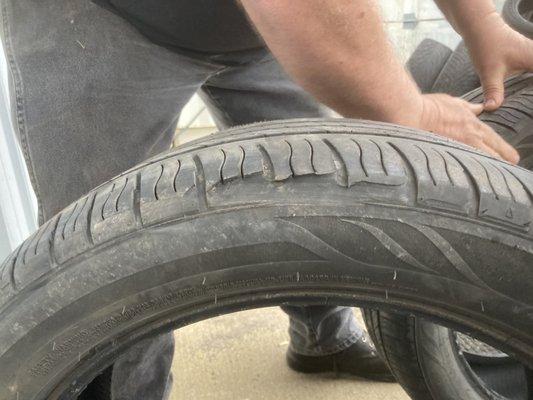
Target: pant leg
{"type": "Point", "coordinates": [91, 97]}
{"type": "Point", "coordinates": [255, 88]}
{"type": "Point", "coordinates": [321, 330]}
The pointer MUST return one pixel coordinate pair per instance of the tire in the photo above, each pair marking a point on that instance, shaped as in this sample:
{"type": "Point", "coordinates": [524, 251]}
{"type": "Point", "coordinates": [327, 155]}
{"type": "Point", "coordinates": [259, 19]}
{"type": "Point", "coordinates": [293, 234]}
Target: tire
{"type": "Point", "coordinates": [302, 211]}
{"type": "Point", "coordinates": [426, 63]}
{"type": "Point", "coordinates": [519, 15]}
{"type": "Point", "coordinates": [458, 76]}
{"type": "Point", "coordinates": [426, 358]}
{"type": "Point", "coordinates": [513, 121]}
{"type": "Point", "coordinates": [99, 388]}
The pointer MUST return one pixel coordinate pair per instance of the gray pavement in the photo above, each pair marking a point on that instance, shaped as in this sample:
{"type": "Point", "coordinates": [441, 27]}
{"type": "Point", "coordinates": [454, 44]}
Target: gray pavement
{"type": "Point", "coordinates": [241, 357]}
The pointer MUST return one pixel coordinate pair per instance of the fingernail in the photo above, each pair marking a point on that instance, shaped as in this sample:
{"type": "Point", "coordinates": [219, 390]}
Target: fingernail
{"type": "Point", "coordinates": [490, 103]}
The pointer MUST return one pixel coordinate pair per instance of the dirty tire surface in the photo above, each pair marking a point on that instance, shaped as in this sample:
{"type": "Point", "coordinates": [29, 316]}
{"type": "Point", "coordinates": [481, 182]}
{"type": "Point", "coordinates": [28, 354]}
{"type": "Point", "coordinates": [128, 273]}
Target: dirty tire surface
{"type": "Point", "coordinates": [425, 357]}
{"type": "Point", "coordinates": [301, 211]}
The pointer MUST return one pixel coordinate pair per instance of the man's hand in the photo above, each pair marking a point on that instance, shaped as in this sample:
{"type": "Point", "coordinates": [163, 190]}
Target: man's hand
{"type": "Point", "coordinates": [496, 49]}
{"type": "Point", "coordinates": [457, 119]}
{"type": "Point", "coordinates": [339, 52]}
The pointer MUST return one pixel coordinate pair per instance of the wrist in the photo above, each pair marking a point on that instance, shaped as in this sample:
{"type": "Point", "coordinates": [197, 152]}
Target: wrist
{"type": "Point", "coordinates": [399, 100]}
{"type": "Point", "coordinates": [411, 116]}
{"type": "Point", "coordinates": [424, 115]}
{"type": "Point", "coordinates": [408, 111]}
{"type": "Point", "coordinates": [475, 27]}
{"type": "Point", "coordinates": [429, 113]}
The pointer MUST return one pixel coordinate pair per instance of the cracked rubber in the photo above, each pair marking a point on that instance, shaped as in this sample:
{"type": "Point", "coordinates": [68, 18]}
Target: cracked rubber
{"type": "Point", "coordinates": [423, 356]}
{"type": "Point", "coordinates": [301, 211]}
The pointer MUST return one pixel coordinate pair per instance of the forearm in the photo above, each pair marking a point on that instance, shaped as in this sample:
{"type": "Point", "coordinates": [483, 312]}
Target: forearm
{"type": "Point", "coordinates": [339, 52]}
{"type": "Point", "coordinates": [468, 16]}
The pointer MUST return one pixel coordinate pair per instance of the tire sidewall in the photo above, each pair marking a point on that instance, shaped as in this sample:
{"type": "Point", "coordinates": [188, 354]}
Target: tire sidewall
{"type": "Point", "coordinates": [511, 15]}
{"type": "Point", "coordinates": [447, 374]}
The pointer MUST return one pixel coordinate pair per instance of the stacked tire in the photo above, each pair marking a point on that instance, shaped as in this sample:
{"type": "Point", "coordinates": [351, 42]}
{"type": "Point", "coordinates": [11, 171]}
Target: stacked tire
{"type": "Point", "coordinates": [430, 361]}
{"type": "Point", "coordinates": [519, 15]}
{"type": "Point", "coordinates": [437, 69]}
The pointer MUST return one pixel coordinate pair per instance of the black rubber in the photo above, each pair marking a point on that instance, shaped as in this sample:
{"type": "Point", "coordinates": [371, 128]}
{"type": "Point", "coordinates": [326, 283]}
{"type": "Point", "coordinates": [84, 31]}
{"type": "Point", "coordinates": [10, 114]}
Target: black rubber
{"type": "Point", "coordinates": [458, 76]}
{"type": "Point", "coordinates": [426, 63]}
{"type": "Point", "coordinates": [426, 358]}
{"type": "Point", "coordinates": [303, 211]}
{"type": "Point", "coordinates": [519, 15]}
{"type": "Point", "coordinates": [437, 69]}
{"type": "Point", "coordinates": [513, 121]}
{"type": "Point", "coordinates": [99, 388]}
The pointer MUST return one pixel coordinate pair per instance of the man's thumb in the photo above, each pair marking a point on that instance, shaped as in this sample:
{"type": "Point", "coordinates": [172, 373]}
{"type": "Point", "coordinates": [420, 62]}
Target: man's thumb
{"type": "Point", "coordinates": [494, 91]}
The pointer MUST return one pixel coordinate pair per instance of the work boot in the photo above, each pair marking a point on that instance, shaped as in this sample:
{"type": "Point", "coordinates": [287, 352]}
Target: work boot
{"type": "Point", "coordinates": [360, 359]}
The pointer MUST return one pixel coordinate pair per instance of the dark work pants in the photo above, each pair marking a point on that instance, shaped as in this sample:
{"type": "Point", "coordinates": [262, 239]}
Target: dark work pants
{"type": "Point", "coordinates": [92, 97]}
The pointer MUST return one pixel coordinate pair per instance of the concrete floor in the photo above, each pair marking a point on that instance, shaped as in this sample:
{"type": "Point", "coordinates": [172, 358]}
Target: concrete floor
{"type": "Point", "coordinates": [241, 357]}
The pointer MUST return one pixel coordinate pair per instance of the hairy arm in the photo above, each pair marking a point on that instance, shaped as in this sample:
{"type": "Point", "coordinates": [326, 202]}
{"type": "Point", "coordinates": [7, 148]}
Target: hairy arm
{"type": "Point", "coordinates": [339, 52]}
{"type": "Point", "coordinates": [496, 50]}
{"type": "Point", "coordinates": [466, 16]}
